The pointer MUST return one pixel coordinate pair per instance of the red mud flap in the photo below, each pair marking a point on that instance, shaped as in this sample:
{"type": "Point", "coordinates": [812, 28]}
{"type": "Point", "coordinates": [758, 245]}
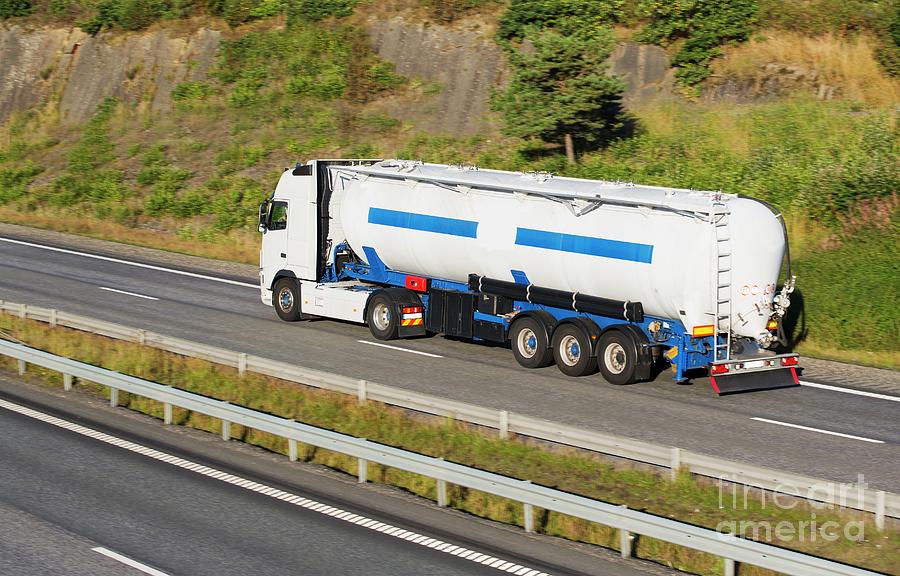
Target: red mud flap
{"type": "Point", "coordinates": [735, 376]}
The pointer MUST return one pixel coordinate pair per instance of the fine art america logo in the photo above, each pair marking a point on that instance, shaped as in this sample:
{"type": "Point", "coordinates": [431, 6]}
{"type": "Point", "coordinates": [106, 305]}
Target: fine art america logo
{"type": "Point", "coordinates": [803, 524]}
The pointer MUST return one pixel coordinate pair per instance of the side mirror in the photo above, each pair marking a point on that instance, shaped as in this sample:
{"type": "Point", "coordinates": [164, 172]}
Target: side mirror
{"type": "Point", "coordinates": [263, 214]}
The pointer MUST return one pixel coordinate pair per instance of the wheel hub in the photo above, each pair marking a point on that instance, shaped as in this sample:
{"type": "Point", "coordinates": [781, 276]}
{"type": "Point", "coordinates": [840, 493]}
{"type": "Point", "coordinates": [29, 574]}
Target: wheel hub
{"type": "Point", "coordinates": [527, 343]}
{"type": "Point", "coordinates": [614, 358]}
{"type": "Point", "coordinates": [570, 350]}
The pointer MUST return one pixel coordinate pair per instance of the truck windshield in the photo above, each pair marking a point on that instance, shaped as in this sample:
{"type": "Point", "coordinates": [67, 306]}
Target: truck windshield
{"type": "Point", "coordinates": [277, 216]}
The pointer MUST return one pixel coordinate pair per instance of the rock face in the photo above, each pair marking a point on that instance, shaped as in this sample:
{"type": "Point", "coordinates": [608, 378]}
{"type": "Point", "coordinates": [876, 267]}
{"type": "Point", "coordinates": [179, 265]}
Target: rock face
{"type": "Point", "coordinates": [73, 71]}
{"type": "Point", "coordinates": [70, 72]}
{"type": "Point", "coordinates": [464, 62]}
{"type": "Point", "coordinates": [770, 82]}
{"type": "Point", "coordinates": [646, 71]}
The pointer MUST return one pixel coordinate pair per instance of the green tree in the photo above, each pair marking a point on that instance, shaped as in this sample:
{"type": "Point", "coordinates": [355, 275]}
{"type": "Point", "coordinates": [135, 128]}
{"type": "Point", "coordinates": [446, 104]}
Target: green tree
{"type": "Point", "coordinates": [10, 8]}
{"type": "Point", "coordinates": [559, 90]}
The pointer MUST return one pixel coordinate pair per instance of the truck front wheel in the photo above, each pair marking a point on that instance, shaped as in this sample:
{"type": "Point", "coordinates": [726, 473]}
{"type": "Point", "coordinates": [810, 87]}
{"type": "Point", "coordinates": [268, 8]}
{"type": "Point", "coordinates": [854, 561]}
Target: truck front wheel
{"type": "Point", "coordinates": [528, 338]}
{"type": "Point", "coordinates": [617, 358]}
{"type": "Point", "coordinates": [286, 299]}
{"type": "Point", "coordinates": [383, 318]}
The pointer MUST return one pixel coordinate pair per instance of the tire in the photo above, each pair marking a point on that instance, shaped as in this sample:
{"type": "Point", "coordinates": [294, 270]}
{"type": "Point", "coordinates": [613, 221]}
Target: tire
{"type": "Point", "coordinates": [528, 339]}
{"type": "Point", "coordinates": [286, 299]}
{"type": "Point", "coordinates": [617, 357]}
{"type": "Point", "coordinates": [572, 351]}
{"type": "Point", "coordinates": [383, 317]}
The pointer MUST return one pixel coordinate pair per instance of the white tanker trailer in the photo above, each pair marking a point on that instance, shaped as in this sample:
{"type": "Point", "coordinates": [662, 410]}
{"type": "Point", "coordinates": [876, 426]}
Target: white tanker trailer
{"type": "Point", "coordinates": [580, 273]}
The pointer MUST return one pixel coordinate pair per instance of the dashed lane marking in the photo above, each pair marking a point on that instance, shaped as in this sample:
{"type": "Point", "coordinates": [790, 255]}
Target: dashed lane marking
{"type": "Point", "coordinates": [819, 430]}
{"type": "Point", "coordinates": [135, 294]}
{"type": "Point", "coordinates": [379, 344]}
{"type": "Point", "coordinates": [128, 561]}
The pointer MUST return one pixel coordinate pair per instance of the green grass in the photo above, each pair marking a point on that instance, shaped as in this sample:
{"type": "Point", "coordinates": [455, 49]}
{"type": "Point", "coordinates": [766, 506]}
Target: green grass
{"type": "Point", "coordinates": [686, 499]}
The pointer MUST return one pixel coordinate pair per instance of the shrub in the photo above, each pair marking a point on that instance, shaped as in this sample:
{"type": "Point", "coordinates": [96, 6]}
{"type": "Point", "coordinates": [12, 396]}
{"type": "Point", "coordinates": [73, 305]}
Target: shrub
{"type": "Point", "coordinates": [704, 25]}
{"type": "Point", "coordinates": [12, 8]}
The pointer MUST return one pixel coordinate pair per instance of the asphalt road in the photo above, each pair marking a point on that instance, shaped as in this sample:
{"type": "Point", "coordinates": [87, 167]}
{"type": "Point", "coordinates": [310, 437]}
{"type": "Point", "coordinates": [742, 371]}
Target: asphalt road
{"type": "Point", "coordinates": [689, 416]}
{"type": "Point", "coordinates": [71, 504]}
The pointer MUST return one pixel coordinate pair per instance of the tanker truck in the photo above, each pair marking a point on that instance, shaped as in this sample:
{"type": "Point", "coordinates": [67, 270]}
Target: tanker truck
{"type": "Point", "coordinates": [584, 274]}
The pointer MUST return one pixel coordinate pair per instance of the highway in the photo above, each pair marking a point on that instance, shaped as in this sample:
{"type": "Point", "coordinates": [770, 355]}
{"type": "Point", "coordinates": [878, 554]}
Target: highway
{"type": "Point", "coordinates": [79, 497]}
{"type": "Point", "coordinates": [822, 433]}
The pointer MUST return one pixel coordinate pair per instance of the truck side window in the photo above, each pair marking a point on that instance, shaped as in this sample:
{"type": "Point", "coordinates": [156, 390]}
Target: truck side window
{"type": "Point", "coordinates": [277, 216]}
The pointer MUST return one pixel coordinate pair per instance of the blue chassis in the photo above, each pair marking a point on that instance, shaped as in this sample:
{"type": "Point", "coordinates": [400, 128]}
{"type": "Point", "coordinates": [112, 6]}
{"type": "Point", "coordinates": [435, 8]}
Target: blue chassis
{"type": "Point", "coordinates": [692, 353]}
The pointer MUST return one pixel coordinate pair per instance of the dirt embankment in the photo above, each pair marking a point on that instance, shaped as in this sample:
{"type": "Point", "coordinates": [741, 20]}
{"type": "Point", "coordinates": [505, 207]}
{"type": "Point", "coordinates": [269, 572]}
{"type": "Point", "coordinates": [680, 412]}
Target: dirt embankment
{"type": "Point", "coordinates": [71, 72]}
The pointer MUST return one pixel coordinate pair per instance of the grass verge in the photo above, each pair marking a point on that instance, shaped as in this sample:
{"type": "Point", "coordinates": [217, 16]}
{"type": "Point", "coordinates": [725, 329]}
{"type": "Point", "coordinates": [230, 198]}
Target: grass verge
{"type": "Point", "coordinates": [687, 499]}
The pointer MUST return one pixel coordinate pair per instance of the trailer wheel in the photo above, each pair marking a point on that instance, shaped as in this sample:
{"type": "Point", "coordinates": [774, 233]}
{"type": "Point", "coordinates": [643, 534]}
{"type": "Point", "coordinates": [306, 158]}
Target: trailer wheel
{"type": "Point", "coordinates": [286, 299]}
{"type": "Point", "coordinates": [529, 343]}
{"type": "Point", "coordinates": [617, 358]}
{"type": "Point", "coordinates": [572, 351]}
{"type": "Point", "coordinates": [382, 317]}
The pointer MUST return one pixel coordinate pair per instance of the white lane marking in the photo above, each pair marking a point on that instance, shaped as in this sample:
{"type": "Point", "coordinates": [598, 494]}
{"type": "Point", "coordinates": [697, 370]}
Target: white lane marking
{"type": "Point", "coordinates": [128, 561]}
{"type": "Point", "coordinates": [136, 295]}
{"type": "Point", "coordinates": [129, 263]}
{"type": "Point", "coordinates": [430, 355]}
{"type": "Point", "coordinates": [842, 435]}
{"type": "Point", "coordinates": [850, 391]}
{"type": "Point", "coordinates": [394, 531]}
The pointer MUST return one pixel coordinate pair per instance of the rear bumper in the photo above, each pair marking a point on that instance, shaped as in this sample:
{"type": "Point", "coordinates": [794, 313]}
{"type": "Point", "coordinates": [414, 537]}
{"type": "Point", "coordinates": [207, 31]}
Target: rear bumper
{"type": "Point", "coordinates": [750, 374]}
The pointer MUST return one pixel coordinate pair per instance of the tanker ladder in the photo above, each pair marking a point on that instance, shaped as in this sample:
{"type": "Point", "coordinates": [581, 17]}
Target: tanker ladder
{"type": "Point", "coordinates": [722, 279]}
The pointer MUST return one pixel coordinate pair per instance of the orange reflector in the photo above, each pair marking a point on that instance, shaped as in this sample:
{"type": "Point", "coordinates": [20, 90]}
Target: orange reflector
{"type": "Point", "coordinates": [771, 325]}
{"type": "Point", "coordinates": [707, 330]}
{"type": "Point", "coordinates": [718, 369]}
{"type": "Point", "coordinates": [790, 361]}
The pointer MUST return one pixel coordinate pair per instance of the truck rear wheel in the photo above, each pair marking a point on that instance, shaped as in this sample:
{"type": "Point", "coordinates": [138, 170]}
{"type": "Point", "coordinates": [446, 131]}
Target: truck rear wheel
{"type": "Point", "coordinates": [286, 299]}
{"type": "Point", "coordinates": [528, 338]}
{"type": "Point", "coordinates": [383, 318]}
{"type": "Point", "coordinates": [617, 358]}
{"type": "Point", "coordinates": [572, 351]}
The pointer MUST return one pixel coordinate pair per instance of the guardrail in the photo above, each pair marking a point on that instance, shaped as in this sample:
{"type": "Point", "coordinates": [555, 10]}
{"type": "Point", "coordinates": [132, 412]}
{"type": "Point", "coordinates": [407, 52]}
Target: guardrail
{"type": "Point", "coordinates": [882, 504]}
{"type": "Point", "coordinates": [628, 522]}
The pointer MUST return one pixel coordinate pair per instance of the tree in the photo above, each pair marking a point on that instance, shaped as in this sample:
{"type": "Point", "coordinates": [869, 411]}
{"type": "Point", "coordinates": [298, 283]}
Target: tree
{"type": "Point", "coordinates": [559, 90]}
{"type": "Point", "coordinates": [10, 8]}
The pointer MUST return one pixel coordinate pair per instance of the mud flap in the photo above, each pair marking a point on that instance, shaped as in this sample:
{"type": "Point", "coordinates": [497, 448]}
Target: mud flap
{"type": "Point", "coordinates": [755, 380]}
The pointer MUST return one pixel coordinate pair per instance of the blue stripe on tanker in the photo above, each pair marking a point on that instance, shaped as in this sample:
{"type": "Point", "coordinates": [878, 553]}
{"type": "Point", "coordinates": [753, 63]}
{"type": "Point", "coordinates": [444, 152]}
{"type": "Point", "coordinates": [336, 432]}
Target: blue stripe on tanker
{"type": "Point", "coordinates": [423, 222]}
{"type": "Point", "coordinates": [603, 247]}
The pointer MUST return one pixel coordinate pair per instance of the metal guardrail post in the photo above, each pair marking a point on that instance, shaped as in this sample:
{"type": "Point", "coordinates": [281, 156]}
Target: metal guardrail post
{"type": "Point", "coordinates": [441, 493]}
{"type": "Point", "coordinates": [242, 363]}
{"type": "Point", "coordinates": [730, 567]}
{"type": "Point", "coordinates": [362, 470]}
{"type": "Point", "coordinates": [142, 337]}
{"type": "Point", "coordinates": [167, 413]}
{"type": "Point", "coordinates": [528, 517]}
{"type": "Point", "coordinates": [880, 498]}
{"type": "Point", "coordinates": [23, 311]}
{"type": "Point", "coordinates": [113, 397]}
{"type": "Point", "coordinates": [675, 463]}
{"type": "Point", "coordinates": [67, 382]}
{"type": "Point", "coordinates": [626, 539]}
{"type": "Point", "coordinates": [21, 365]}
{"type": "Point", "coordinates": [292, 450]}
{"type": "Point", "coordinates": [53, 314]}
{"type": "Point", "coordinates": [362, 391]}
{"type": "Point", "coordinates": [226, 430]}
{"type": "Point", "coordinates": [504, 424]}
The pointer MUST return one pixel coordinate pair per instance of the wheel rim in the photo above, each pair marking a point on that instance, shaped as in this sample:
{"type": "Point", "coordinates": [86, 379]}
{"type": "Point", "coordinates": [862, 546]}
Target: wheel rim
{"type": "Point", "coordinates": [569, 350]}
{"type": "Point", "coordinates": [286, 299]}
{"type": "Point", "coordinates": [381, 316]}
{"type": "Point", "coordinates": [527, 343]}
{"type": "Point", "coordinates": [614, 358]}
